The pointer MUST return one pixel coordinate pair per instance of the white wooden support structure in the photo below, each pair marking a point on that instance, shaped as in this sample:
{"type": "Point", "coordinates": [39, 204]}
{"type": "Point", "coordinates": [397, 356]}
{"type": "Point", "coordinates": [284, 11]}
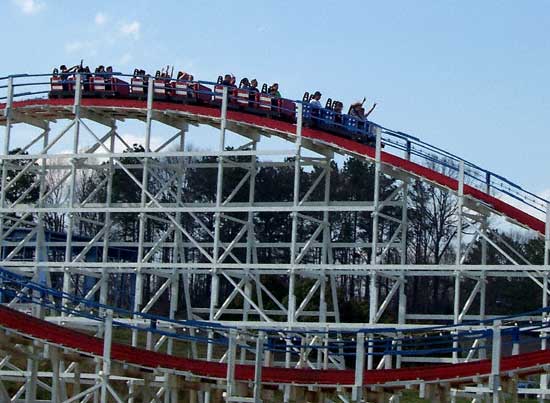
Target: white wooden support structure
{"type": "Point", "coordinates": [494, 381]}
{"type": "Point", "coordinates": [215, 281]}
{"type": "Point", "coordinates": [460, 207]}
{"type": "Point", "coordinates": [138, 298]}
{"type": "Point", "coordinates": [169, 262]}
{"type": "Point", "coordinates": [258, 365]}
{"type": "Point", "coordinates": [402, 298]}
{"type": "Point", "coordinates": [294, 234]}
{"type": "Point", "coordinates": [231, 362]}
{"type": "Point", "coordinates": [32, 379]}
{"type": "Point", "coordinates": [67, 280]}
{"type": "Point", "coordinates": [373, 282]}
{"type": "Point", "coordinates": [291, 316]}
{"type": "Point", "coordinates": [106, 369]}
{"type": "Point", "coordinates": [357, 391]}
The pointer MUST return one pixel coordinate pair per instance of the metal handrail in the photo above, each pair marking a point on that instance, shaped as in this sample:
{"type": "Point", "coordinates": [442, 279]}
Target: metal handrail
{"type": "Point", "coordinates": [435, 156]}
{"type": "Point", "coordinates": [429, 337]}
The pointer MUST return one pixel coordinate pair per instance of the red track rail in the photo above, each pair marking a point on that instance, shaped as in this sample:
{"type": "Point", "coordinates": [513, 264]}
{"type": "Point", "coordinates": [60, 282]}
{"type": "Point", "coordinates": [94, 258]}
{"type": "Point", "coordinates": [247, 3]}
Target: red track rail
{"type": "Point", "coordinates": [349, 146]}
{"type": "Point", "coordinates": [32, 327]}
{"type": "Point", "coordinates": [459, 373]}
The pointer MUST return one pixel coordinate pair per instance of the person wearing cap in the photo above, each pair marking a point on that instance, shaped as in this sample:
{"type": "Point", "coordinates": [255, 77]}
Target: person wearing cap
{"type": "Point", "coordinates": [356, 111]}
{"type": "Point", "coordinates": [315, 100]}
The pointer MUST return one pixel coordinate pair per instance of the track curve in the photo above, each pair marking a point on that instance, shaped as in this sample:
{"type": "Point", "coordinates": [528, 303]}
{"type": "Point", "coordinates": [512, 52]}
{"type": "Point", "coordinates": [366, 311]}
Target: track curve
{"type": "Point", "coordinates": [463, 373]}
{"type": "Point", "coordinates": [56, 108]}
{"type": "Point", "coordinates": [32, 111]}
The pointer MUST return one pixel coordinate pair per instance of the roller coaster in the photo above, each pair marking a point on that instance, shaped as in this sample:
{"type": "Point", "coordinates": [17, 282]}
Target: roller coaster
{"type": "Point", "coordinates": [67, 335]}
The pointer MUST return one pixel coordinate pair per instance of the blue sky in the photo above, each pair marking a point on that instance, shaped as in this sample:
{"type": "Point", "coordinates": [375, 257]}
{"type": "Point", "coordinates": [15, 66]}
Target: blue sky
{"type": "Point", "coordinates": [472, 77]}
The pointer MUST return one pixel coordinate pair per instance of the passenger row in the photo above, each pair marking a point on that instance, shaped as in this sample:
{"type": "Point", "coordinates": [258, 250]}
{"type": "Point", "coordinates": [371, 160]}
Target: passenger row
{"type": "Point", "coordinates": [102, 80]}
{"type": "Point", "coordinates": [245, 97]}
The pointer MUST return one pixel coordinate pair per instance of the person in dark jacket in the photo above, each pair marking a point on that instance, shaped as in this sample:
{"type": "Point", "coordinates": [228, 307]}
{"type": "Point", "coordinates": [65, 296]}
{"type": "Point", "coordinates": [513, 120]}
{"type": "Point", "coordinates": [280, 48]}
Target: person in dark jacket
{"type": "Point", "coordinates": [254, 85]}
{"type": "Point", "coordinates": [245, 84]}
{"type": "Point", "coordinates": [229, 80]}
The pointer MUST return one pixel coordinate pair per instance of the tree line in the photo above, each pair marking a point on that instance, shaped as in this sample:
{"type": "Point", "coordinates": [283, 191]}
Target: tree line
{"type": "Point", "coordinates": [431, 230]}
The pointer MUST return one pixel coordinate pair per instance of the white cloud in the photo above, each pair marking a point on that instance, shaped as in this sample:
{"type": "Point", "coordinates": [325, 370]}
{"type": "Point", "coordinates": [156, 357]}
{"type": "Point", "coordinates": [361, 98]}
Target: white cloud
{"type": "Point", "coordinates": [74, 46]}
{"type": "Point", "coordinates": [130, 29]}
{"type": "Point", "coordinates": [85, 48]}
{"type": "Point", "coordinates": [125, 59]}
{"type": "Point", "coordinates": [29, 6]}
{"type": "Point", "coordinates": [100, 19]}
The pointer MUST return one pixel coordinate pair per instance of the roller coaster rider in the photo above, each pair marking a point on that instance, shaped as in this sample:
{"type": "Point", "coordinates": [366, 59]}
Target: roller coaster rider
{"type": "Point", "coordinates": [64, 74]}
{"type": "Point", "coordinates": [267, 102]}
{"type": "Point", "coordinates": [229, 81]}
{"type": "Point", "coordinates": [338, 108]}
{"type": "Point", "coordinates": [107, 76]}
{"type": "Point", "coordinates": [254, 86]}
{"type": "Point", "coordinates": [245, 84]}
{"type": "Point", "coordinates": [109, 72]}
{"type": "Point", "coordinates": [315, 100]}
{"type": "Point", "coordinates": [357, 111]}
{"type": "Point", "coordinates": [315, 104]}
{"type": "Point", "coordinates": [274, 91]}
{"type": "Point", "coordinates": [86, 77]}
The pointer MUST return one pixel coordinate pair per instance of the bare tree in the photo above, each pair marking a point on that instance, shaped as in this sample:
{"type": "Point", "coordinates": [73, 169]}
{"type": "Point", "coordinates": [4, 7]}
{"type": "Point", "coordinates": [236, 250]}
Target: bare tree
{"type": "Point", "coordinates": [57, 191]}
